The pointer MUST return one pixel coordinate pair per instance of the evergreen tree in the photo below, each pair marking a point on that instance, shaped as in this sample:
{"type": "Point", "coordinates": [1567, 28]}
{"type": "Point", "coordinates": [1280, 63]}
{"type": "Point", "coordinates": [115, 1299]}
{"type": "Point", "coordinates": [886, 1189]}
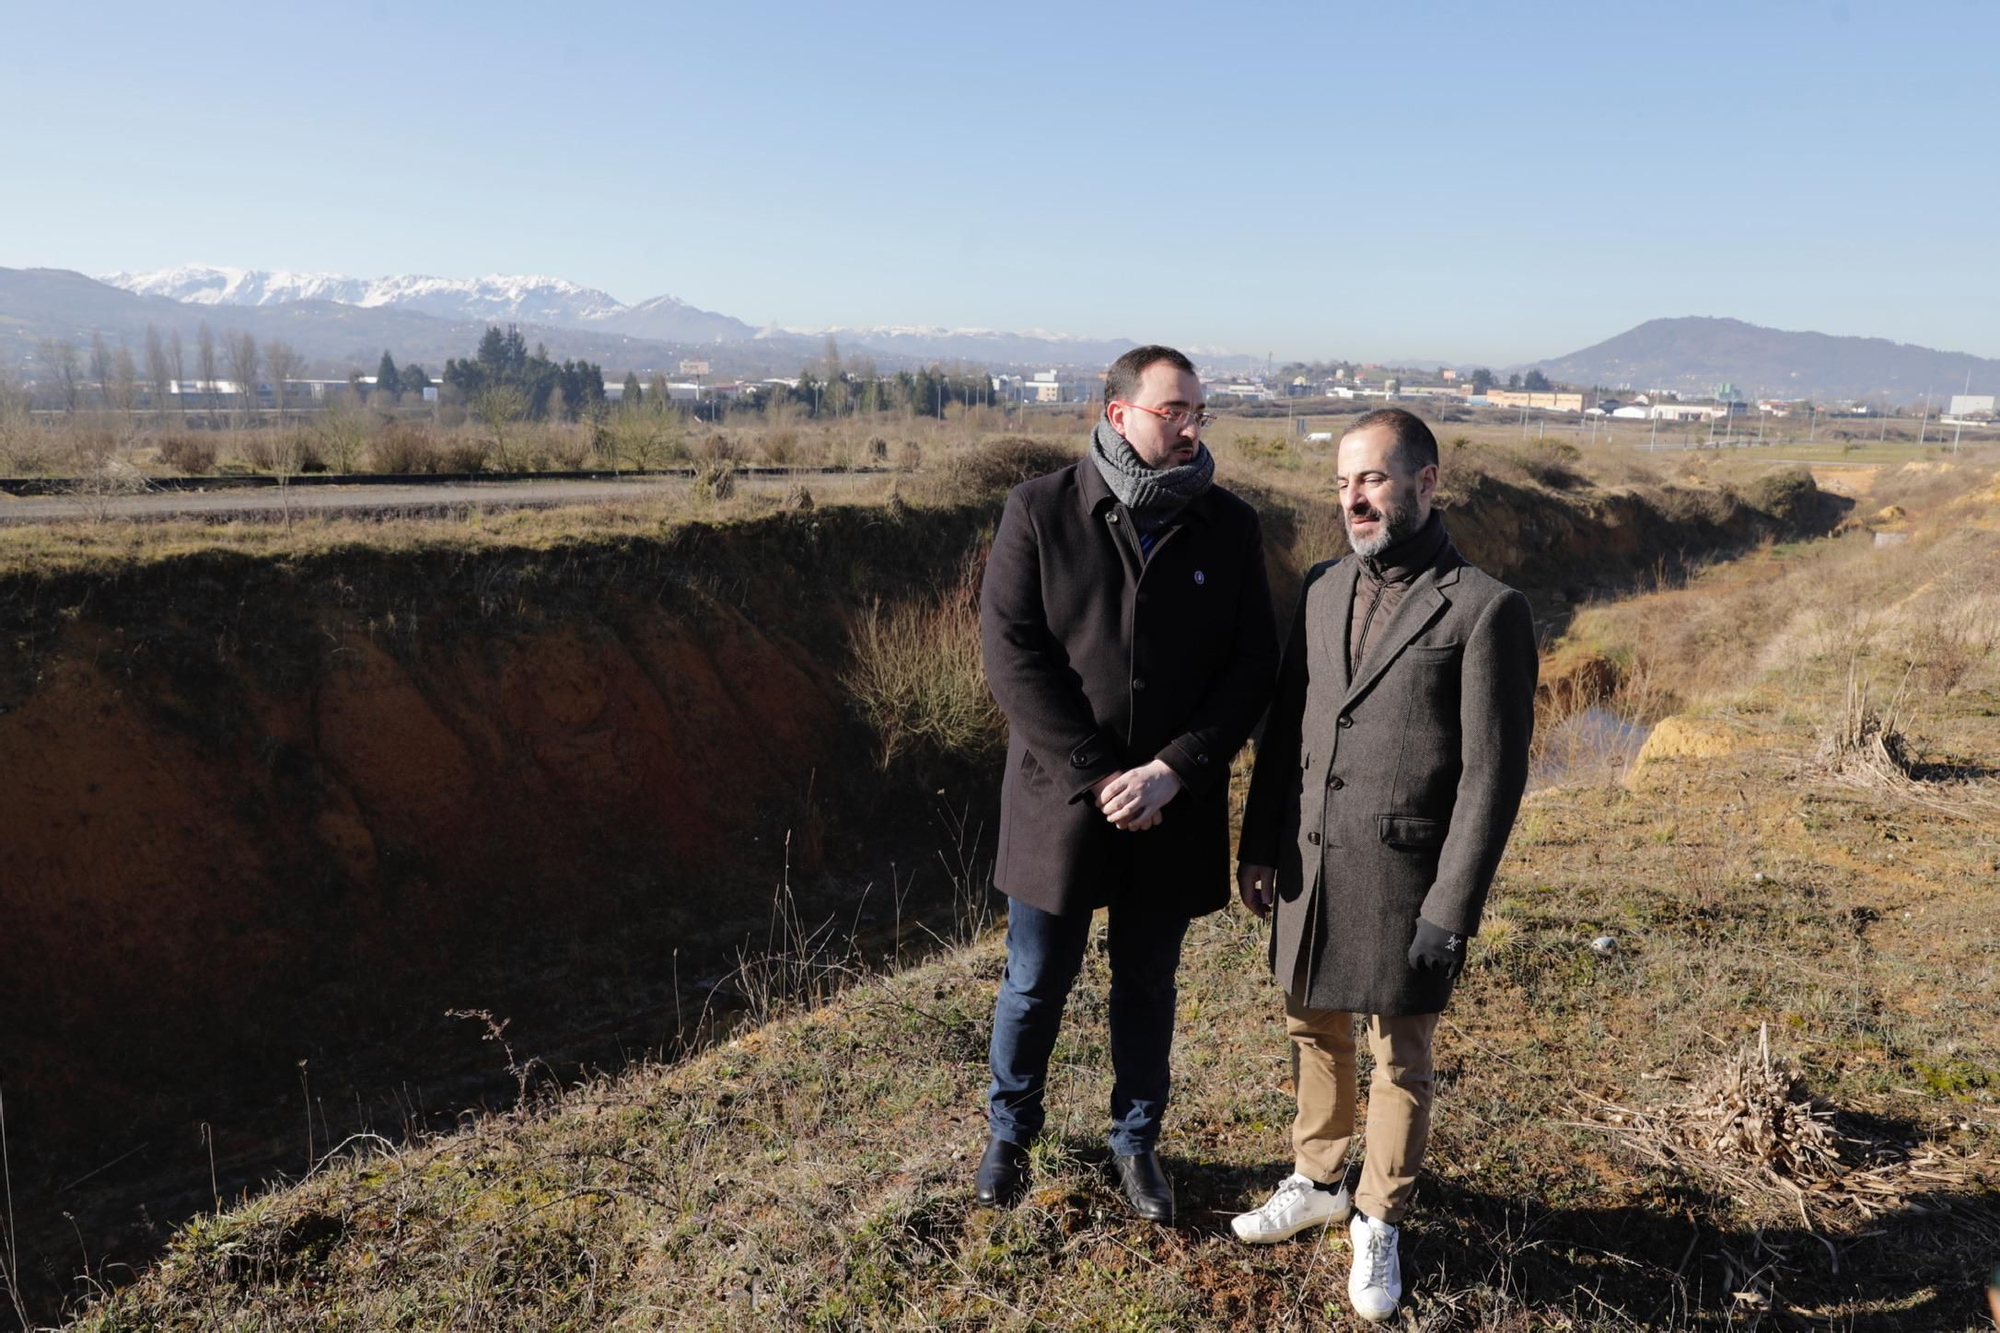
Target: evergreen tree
{"type": "Point", "coordinates": [387, 380]}
{"type": "Point", "coordinates": [634, 395]}
{"type": "Point", "coordinates": [492, 352]}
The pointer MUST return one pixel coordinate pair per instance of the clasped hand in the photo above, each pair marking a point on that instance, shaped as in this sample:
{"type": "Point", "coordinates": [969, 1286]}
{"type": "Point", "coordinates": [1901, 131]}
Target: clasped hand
{"type": "Point", "coordinates": [1133, 800]}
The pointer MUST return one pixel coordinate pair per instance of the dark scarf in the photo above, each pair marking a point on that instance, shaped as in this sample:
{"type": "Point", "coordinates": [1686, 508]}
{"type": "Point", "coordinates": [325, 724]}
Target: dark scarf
{"type": "Point", "coordinates": [1155, 496]}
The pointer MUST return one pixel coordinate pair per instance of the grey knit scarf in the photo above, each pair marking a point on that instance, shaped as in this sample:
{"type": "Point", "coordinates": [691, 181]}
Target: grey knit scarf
{"type": "Point", "coordinates": [1155, 496]}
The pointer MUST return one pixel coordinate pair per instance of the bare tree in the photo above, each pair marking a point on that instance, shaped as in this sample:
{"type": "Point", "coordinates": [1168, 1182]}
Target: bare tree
{"type": "Point", "coordinates": [177, 358]}
{"type": "Point", "coordinates": [159, 372]}
{"type": "Point", "coordinates": [342, 430]}
{"type": "Point", "coordinates": [124, 393]}
{"type": "Point", "coordinates": [285, 364]}
{"type": "Point", "coordinates": [644, 437]}
{"type": "Point", "coordinates": [100, 366]}
{"type": "Point", "coordinates": [500, 407]}
{"type": "Point", "coordinates": [58, 355]}
{"type": "Point", "coordinates": [16, 424]}
{"type": "Point", "coordinates": [205, 360]}
{"type": "Point", "coordinates": [241, 350]}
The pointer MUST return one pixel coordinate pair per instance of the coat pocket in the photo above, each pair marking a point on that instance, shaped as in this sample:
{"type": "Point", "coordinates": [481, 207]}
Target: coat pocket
{"type": "Point", "coordinates": [1411, 833]}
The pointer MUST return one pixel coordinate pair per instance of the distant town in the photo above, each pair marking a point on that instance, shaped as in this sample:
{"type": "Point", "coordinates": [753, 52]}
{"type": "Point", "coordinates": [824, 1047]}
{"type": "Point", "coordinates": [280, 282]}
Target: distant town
{"type": "Point", "coordinates": [64, 378]}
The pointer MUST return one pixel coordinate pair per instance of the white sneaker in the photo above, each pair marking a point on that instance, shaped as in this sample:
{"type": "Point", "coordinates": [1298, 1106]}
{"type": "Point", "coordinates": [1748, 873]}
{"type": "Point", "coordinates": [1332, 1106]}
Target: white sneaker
{"type": "Point", "coordinates": [1375, 1282]}
{"type": "Point", "coordinates": [1297, 1205]}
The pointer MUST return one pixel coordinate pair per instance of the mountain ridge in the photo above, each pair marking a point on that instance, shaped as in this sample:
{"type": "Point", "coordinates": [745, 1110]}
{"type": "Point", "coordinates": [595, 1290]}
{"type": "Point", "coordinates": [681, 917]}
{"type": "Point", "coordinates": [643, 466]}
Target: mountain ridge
{"type": "Point", "coordinates": [1701, 352]}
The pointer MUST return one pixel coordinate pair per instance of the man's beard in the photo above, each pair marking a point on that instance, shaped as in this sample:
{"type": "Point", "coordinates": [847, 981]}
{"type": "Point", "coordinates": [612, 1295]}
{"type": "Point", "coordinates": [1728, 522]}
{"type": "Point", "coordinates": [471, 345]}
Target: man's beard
{"type": "Point", "coordinates": [1395, 522]}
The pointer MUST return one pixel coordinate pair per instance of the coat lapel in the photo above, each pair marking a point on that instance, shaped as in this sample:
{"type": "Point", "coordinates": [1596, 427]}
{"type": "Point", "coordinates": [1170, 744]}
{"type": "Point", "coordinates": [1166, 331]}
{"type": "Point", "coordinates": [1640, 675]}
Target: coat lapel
{"type": "Point", "coordinates": [1332, 625]}
{"type": "Point", "coordinates": [1421, 605]}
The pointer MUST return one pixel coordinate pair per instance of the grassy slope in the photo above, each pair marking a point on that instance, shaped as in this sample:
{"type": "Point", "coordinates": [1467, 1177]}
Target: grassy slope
{"type": "Point", "coordinates": [816, 1170]}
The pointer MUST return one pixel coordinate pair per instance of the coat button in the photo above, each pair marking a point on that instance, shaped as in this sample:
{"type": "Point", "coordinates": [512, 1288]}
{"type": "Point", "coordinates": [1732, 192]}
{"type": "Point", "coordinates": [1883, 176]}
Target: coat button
{"type": "Point", "coordinates": [1201, 759]}
{"type": "Point", "coordinates": [1313, 838]}
{"type": "Point", "coordinates": [1345, 721]}
{"type": "Point", "coordinates": [1114, 518]}
{"type": "Point", "coordinates": [1335, 783]}
{"type": "Point", "coordinates": [1138, 682]}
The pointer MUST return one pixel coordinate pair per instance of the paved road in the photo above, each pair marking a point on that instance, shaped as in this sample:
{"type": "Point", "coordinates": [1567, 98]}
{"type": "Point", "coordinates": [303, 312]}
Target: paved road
{"type": "Point", "coordinates": [393, 499]}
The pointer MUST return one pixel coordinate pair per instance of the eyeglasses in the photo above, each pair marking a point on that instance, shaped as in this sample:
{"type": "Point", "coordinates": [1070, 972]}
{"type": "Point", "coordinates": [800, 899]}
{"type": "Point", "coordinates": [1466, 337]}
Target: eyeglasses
{"type": "Point", "coordinates": [1175, 417]}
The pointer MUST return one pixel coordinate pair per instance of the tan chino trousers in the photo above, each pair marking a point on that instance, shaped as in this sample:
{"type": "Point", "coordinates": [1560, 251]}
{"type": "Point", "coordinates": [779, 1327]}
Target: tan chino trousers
{"type": "Point", "coordinates": [1399, 1102]}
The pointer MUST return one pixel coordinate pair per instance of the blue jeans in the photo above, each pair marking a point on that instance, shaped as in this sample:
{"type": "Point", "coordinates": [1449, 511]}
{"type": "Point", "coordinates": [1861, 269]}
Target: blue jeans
{"type": "Point", "coordinates": [1044, 954]}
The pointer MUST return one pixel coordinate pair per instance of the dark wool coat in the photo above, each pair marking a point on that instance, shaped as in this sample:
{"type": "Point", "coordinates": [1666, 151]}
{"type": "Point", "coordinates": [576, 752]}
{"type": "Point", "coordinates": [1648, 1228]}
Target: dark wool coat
{"type": "Point", "coordinates": [1103, 661]}
{"type": "Point", "coordinates": [1387, 795]}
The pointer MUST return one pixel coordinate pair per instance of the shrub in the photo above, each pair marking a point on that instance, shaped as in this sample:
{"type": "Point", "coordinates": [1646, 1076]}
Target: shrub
{"type": "Point", "coordinates": [465, 455]}
{"type": "Point", "coordinates": [916, 675]}
{"type": "Point", "coordinates": [1553, 463]}
{"type": "Point", "coordinates": [568, 447]}
{"type": "Point", "coordinates": [1002, 465]}
{"type": "Point", "coordinates": [400, 449]}
{"type": "Point", "coordinates": [715, 479]}
{"type": "Point", "coordinates": [1789, 495]}
{"type": "Point", "coordinates": [189, 454]}
{"type": "Point", "coordinates": [781, 447]}
{"type": "Point", "coordinates": [717, 448]}
{"type": "Point", "coordinates": [1258, 449]}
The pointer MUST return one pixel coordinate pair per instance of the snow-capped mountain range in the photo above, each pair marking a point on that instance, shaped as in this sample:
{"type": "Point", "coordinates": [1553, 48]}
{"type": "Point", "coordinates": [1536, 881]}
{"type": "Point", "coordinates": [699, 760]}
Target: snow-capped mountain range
{"type": "Point", "coordinates": [564, 304]}
{"type": "Point", "coordinates": [497, 297]}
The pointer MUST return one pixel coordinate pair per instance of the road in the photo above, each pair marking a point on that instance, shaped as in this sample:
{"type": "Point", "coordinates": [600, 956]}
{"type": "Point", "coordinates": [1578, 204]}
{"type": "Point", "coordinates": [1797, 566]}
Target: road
{"type": "Point", "coordinates": [407, 499]}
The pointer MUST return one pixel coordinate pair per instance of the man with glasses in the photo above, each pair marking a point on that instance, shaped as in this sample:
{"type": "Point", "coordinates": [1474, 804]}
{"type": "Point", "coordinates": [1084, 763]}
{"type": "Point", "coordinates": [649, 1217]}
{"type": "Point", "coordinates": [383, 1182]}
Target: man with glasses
{"type": "Point", "coordinates": [1128, 637]}
{"type": "Point", "coordinates": [1387, 780]}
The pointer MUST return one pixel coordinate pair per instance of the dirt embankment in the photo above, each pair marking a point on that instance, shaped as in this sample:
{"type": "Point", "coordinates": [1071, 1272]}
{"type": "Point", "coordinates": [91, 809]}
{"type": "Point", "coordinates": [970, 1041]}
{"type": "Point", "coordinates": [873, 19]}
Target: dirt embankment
{"type": "Point", "coordinates": [264, 812]}
{"type": "Point", "coordinates": [266, 819]}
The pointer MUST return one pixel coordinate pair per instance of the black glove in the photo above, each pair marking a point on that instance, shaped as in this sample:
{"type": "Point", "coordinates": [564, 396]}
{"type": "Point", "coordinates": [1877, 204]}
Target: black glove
{"type": "Point", "coordinates": [1437, 949]}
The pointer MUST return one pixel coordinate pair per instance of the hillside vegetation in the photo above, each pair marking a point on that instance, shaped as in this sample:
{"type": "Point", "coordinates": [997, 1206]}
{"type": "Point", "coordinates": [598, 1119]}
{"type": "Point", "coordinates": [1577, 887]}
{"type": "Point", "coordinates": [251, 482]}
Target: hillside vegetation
{"type": "Point", "coordinates": [1800, 865]}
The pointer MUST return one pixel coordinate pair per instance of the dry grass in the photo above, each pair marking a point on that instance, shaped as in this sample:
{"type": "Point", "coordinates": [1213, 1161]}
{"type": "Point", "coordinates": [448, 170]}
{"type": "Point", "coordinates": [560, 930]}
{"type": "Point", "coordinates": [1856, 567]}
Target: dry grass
{"type": "Point", "coordinates": [916, 674]}
{"type": "Point", "coordinates": [815, 1172]}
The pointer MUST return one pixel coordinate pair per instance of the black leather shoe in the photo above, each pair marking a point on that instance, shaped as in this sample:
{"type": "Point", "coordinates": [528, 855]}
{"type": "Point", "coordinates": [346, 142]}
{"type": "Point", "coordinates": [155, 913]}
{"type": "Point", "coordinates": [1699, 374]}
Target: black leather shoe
{"type": "Point", "coordinates": [1145, 1185]}
{"type": "Point", "coordinates": [1003, 1174]}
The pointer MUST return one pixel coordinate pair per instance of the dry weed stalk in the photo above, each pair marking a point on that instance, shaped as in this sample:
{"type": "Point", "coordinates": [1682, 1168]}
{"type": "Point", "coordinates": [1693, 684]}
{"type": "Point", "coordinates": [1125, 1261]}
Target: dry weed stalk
{"type": "Point", "coordinates": [1750, 1128]}
{"type": "Point", "coordinates": [1752, 1111]}
{"type": "Point", "coordinates": [1866, 748]}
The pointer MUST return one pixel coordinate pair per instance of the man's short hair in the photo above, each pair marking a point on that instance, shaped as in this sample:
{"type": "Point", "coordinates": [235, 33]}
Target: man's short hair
{"type": "Point", "coordinates": [1122, 380]}
{"type": "Point", "coordinates": [1416, 447]}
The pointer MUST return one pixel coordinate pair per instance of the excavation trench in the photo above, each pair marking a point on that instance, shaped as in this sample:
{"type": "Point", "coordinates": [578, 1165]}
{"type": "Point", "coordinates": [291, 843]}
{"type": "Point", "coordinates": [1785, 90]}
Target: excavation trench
{"type": "Point", "coordinates": [269, 820]}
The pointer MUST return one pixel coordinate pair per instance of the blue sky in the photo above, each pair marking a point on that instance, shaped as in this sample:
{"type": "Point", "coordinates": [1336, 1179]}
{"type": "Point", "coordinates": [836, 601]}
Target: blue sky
{"type": "Point", "coordinates": [1472, 182]}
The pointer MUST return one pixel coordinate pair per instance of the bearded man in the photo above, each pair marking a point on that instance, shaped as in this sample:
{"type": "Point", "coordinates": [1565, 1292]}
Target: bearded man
{"type": "Point", "coordinates": [1389, 774]}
